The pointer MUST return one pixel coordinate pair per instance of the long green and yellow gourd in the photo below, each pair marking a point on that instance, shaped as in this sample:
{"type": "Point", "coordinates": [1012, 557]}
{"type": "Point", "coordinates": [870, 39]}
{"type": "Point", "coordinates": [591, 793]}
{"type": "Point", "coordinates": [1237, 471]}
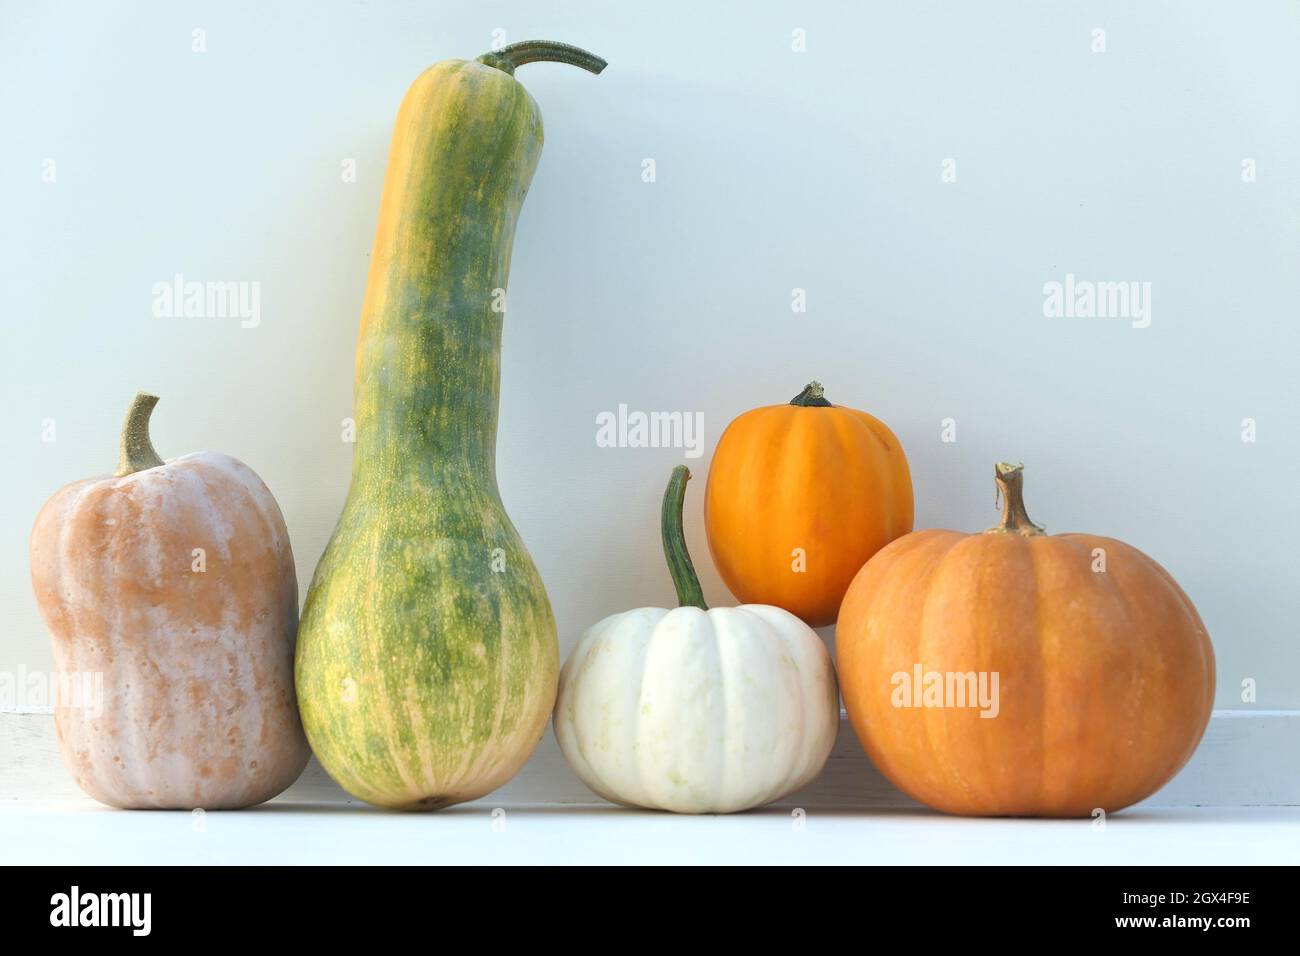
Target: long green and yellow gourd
{"type": "Point", "coordinates": [427, 657]}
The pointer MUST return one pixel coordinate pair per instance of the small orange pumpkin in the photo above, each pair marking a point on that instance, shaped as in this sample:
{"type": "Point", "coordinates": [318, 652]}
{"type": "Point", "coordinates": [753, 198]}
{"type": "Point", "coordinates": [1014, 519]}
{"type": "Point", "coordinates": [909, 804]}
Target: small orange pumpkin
{"type": "Point", "coordinates": [799, 496]}
{"type": "Point", "coordinates": [1012, 673]}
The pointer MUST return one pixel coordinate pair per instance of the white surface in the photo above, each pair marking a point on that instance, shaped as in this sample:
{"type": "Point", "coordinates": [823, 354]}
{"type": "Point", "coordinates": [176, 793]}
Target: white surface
{"type": "Point", "coordinates": [776, 170]}
{"type": "Point", "coordinates": [80, 833]}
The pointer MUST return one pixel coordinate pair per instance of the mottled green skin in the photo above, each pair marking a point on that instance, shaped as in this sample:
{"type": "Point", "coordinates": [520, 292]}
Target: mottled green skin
{"type": "Point", "coordinates": [425, 675]}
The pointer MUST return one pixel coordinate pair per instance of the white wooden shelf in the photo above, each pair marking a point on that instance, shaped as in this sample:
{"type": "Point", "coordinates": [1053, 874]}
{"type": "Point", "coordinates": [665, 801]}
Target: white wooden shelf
{"type": "Point", "coordinates": [83, 833]}
{"type": "Point", "coordinates": [1237, 802]}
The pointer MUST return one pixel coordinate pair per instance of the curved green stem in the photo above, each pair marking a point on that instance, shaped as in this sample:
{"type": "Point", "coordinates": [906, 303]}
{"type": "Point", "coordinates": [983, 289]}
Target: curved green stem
{"type": "Point", "coordinates": [811, 397]}
{"type": "Point", "coordinates": [687, 583]}
{"type": "Point", "coordinates": [508, 58]}
{"type": "Point", "coordinates": [1010, 480]}
{"type": "Point", "coordinates": [136, 453]}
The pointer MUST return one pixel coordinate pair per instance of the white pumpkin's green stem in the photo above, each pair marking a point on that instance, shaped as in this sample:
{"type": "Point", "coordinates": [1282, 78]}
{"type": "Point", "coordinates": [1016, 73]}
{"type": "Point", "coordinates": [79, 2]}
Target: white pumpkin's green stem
{"type": "Point", "coordinates": [534, 51]}
{"type": "Point", "coordinates": [136, 450]}
{"type": "Point", "coordinates": [812, 396]}
{"type": "Point", "coordinates": [685, 580]}
{"type": "Point", "coordinates": [1011, 491]}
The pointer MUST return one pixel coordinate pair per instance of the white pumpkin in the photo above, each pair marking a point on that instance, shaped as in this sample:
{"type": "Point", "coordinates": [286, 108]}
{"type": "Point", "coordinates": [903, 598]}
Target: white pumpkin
{"type": "Point", "coordinates": [696, 710]}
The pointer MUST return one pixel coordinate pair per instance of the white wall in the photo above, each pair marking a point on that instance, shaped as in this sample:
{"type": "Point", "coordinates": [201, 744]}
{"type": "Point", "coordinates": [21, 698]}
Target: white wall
{"type": "Point", "coordinates": [775, 170]}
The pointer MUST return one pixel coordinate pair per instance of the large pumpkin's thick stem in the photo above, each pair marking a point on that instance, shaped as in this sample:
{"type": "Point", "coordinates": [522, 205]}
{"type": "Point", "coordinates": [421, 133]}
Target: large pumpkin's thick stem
{"type": "Point", "coordinates": [812, 396]}
{"type": "Point", "coordinates": [534, 51]}
{"type": "Point", "coordinates": [136, 450]}
{"type": "Point", "coordinates": [685, 580]}
{"type": "Point", "coordinates": [1015, 519]}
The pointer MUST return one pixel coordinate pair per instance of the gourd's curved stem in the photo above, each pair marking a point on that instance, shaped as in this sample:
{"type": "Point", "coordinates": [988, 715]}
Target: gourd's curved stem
{"type": "Point", "coordinates": [534, 51]}
{"type": "Point", "coordinates": [1015, 519]}
{"type": "Point", "coordinates": [687, 583]}
{"type": "Point", "coordinates": [136, 451]}
{"type": "Point", "coordinates": [812, 396]}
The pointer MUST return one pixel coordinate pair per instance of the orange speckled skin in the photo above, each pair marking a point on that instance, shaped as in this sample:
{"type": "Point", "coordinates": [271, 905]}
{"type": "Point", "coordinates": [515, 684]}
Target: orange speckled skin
{"type": "Point", "coordinates": [1106, 678]}
{"type": "Point", "coordinates": [197, 706]}
{"type": "Point", "coordinates": [831, 480]}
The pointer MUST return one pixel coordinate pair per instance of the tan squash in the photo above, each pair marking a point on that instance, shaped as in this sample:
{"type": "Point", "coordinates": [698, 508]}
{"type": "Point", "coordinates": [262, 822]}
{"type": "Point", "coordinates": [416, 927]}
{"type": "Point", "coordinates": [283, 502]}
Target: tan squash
{"type": "Point", "coordinates": [1015, 673]}
{"type": "Point", "coordinates": [170, 595]}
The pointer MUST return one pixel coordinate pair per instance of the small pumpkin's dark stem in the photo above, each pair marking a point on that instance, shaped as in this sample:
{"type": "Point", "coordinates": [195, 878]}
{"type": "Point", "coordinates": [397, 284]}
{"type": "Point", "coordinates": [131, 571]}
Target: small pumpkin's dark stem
{"type": "Point", "coordinates": [136, 450]}
{"type": "Point", "coordinates": [685, 580]}
{"type": "Point", "coordinates": [508, 58]}
{"type": "Point", "coordinates": [811, 397]}
{"type": "Point", "coordinates": [1015, 519]}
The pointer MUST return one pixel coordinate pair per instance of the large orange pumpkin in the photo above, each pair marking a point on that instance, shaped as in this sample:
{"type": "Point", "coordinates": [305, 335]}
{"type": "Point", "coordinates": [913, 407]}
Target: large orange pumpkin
{"type": "Point", "coordinates": [1012, 673]}
{"type": "Point", "coordinates": [799, 497]}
